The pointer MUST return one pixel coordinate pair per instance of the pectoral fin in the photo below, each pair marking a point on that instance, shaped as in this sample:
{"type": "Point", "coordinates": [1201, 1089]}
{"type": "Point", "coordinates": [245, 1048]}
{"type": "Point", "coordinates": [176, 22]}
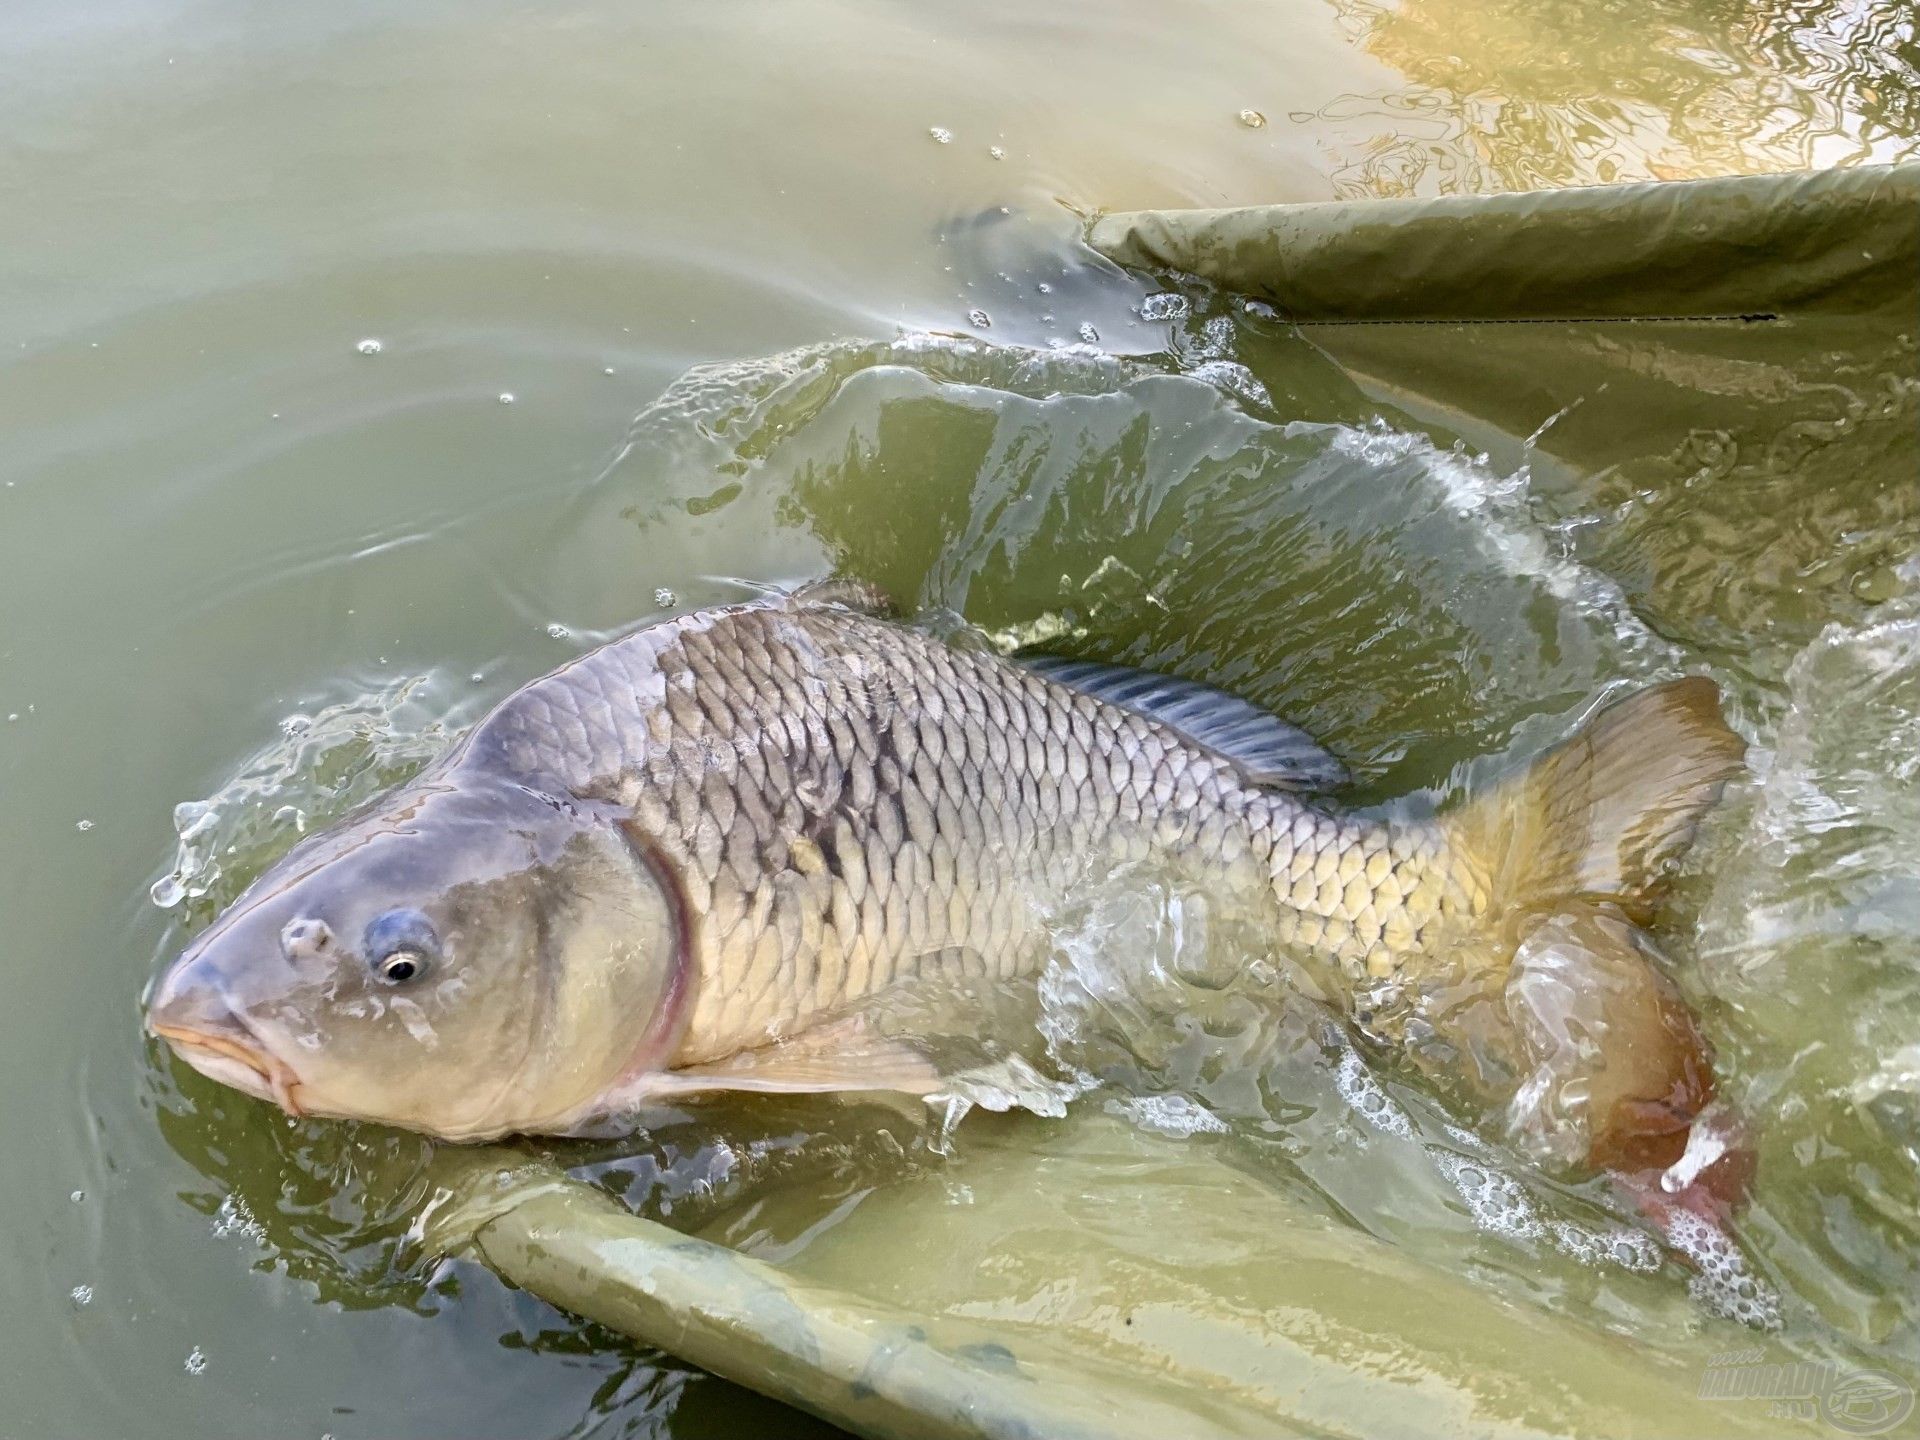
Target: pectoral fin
{"type": "Point", "coordinates": [846, 1054]}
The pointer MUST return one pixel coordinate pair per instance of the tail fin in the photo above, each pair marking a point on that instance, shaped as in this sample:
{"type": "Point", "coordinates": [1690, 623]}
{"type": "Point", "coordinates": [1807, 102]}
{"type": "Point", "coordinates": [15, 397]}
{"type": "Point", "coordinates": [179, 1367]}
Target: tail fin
{"type": "Point", "coordinates": [1603, 815]}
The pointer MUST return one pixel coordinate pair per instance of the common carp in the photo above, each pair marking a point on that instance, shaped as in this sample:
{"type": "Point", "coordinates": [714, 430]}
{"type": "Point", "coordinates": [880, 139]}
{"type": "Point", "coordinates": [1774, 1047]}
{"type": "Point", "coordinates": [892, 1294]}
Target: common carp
{"type": "Point", "coordinates": [733, 851]}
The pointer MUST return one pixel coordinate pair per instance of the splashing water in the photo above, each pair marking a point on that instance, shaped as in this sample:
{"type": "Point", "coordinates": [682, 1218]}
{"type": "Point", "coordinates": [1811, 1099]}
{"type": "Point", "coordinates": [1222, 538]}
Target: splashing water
{"type": "Point", "coordinates": [320, 766]}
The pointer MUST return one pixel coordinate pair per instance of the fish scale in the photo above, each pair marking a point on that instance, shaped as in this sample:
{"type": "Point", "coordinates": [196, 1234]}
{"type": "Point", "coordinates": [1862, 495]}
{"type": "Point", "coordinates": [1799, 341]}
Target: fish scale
{"type": "Point", "coordinates": [845, 801]}
{"type": "Point", "coordinates": [794, 821]}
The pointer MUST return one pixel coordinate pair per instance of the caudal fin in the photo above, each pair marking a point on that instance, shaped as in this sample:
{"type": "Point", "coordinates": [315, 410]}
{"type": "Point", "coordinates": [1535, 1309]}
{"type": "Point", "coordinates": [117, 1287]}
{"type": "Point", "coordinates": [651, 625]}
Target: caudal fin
{"type": "Point", "coordinates": [1603, 815]}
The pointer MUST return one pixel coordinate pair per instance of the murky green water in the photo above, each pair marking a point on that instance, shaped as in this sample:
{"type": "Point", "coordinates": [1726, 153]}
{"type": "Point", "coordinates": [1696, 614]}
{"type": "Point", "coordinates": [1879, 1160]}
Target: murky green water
{"type": "Point", "coordinates": [324, 334]}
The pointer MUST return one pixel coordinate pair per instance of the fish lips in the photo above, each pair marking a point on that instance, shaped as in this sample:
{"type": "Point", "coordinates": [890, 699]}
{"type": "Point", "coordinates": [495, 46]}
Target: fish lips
{"type": "Point", "coordinates": [227, 1052]}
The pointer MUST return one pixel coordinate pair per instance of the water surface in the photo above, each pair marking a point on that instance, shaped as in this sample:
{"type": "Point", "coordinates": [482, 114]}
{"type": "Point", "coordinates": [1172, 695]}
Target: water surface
{"type": "Point", "coordinates": [323, 335]}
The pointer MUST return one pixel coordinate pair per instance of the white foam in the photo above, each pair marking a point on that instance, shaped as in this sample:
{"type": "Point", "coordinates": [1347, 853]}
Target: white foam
{"type": "Point", "coordinates": [1725, 1285]}
{"type": "Point", "coordinates": [1496, 1201]}
{"type": "Point", "coordinates": [1368, 1098]}
{"type": "Point", "coordinates": [1174, 1115]}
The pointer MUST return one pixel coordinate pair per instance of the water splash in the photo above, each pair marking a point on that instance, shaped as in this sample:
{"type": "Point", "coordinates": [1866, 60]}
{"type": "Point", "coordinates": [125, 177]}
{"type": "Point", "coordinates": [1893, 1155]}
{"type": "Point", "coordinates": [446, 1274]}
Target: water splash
{"type": "Point", "coordinates": [1178, 1116]}
{"type": "Point", "coordinates": [317, 767]}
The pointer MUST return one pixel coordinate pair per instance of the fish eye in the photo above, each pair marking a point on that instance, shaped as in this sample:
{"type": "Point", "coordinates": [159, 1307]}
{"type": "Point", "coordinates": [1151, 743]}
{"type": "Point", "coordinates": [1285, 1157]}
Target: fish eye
{"type": "Point", "coordinates": [400, 945]}
{"type": "Point", "coordinates": [401, 966]}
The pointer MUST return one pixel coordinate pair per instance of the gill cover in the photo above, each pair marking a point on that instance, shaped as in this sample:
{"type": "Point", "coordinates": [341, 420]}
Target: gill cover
{"type": "Point", "coordinates": [469, 957]}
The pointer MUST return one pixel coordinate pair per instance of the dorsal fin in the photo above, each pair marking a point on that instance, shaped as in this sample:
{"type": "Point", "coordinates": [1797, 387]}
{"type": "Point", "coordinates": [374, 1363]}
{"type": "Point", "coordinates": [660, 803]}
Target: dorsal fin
{"type": "Point", "coordinates": [1268, 750]}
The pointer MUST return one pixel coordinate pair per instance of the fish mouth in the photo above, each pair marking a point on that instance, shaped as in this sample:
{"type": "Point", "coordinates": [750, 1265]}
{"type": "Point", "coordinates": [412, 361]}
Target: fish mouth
{"type": "Point", "coordinates": [235, 1062]}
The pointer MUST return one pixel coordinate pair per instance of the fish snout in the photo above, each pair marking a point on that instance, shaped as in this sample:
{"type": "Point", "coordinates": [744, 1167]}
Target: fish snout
{"type": "Point", "coordinates": [190, 1010]}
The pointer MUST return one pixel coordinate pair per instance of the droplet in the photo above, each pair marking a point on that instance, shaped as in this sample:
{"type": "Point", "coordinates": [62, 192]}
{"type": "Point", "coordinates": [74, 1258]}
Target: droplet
{"type": "Point", "coordinates": [506, 397]}
{"type": "Point", "coordinates": [83, 825]}
{"type": "Point", "coordinates": [979, 319]}
{"type": "Point", "coordinates": [1252, 119]}
{"type": "Point", "coordinates": [1877, 586]}
{"type": "Point", "coordinates": [370, 346]}
{"type": "Point", "coordinates": [557, 631]}
{"type": "Point", "coordinates": [196, 1361]}
{"type": "Point", "coordinates": [663, 597]}
{"type": "Point", "coordinates": [941, 134]}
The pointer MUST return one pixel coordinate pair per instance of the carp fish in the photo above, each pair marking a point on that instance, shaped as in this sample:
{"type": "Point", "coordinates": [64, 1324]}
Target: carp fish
{"type": "Point", "coordinates": [715, 854]}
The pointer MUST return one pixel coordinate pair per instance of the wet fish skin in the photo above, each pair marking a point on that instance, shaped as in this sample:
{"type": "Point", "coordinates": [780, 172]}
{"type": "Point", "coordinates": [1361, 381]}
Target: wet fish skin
{"type": "Point", "coordinates": [849, 805]}
{"type": "Point", "coordinates": [695, 857]}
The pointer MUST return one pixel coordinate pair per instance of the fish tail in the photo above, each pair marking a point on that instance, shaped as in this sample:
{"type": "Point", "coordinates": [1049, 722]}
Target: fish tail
{"type": "Point", "coordinates": [1576, 852]}
{"type": "Point", "coordinates": [1603, 816]}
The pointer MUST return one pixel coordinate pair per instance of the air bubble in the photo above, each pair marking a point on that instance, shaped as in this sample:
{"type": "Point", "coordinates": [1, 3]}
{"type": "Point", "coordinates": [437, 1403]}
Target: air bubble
{"type": "Point", "coordinates": [82, 1294]}
{"type": "Point", "coordinates": [1165, 306]}
{"type": "Point", "coordinates": [77, 1196]}
{"type": "Point", "coordinates": [1233, 378]}
{"type": "Point", "coordinates": [370, 346]}
{"type": "Point", "coordinates": [557, 631]}
{"type": "Point", "coordinates": [1252, 119]}
{"type": "Point", "coordinates": [941, 134]}
{"type": "Point", "coordinates": [1088, 335]}
{"type": "Point", "coordinates": [664, 598]}
{"type": "Point", "coordinates": [83, 826]}
{"type": "Point", "coordinates": [1360, 1090]}
{"type": "Point", "coordinates": [1173, 1115]}
{"type": "Point", "coordinates": [196, 1361]}
{"type": "Point", "coordinates": [1724, 1286]}
{"type": "Point", "coordinates": [506, 397]}
{"type": "Point", "coordinates": [167, 892]}
{"type": "Point", "coordinates": [979, 319]}
{"type": "Point", "coordinates": [234, 1218]}
{"type": "Point", "coordinates": [1496, 1202]}
{"type": "Point", "coordinates": [996, 152]}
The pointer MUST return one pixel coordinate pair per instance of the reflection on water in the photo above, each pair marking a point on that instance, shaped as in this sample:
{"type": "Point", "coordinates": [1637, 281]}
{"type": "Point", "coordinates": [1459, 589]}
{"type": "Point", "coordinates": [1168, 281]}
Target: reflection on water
{"type": "Point", "coordinates": [1526, 95]}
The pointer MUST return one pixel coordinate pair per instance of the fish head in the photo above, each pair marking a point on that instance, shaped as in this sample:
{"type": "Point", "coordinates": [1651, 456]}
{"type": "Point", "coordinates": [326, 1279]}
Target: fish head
{"type": "Point", "coordinates": [468, 957]}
